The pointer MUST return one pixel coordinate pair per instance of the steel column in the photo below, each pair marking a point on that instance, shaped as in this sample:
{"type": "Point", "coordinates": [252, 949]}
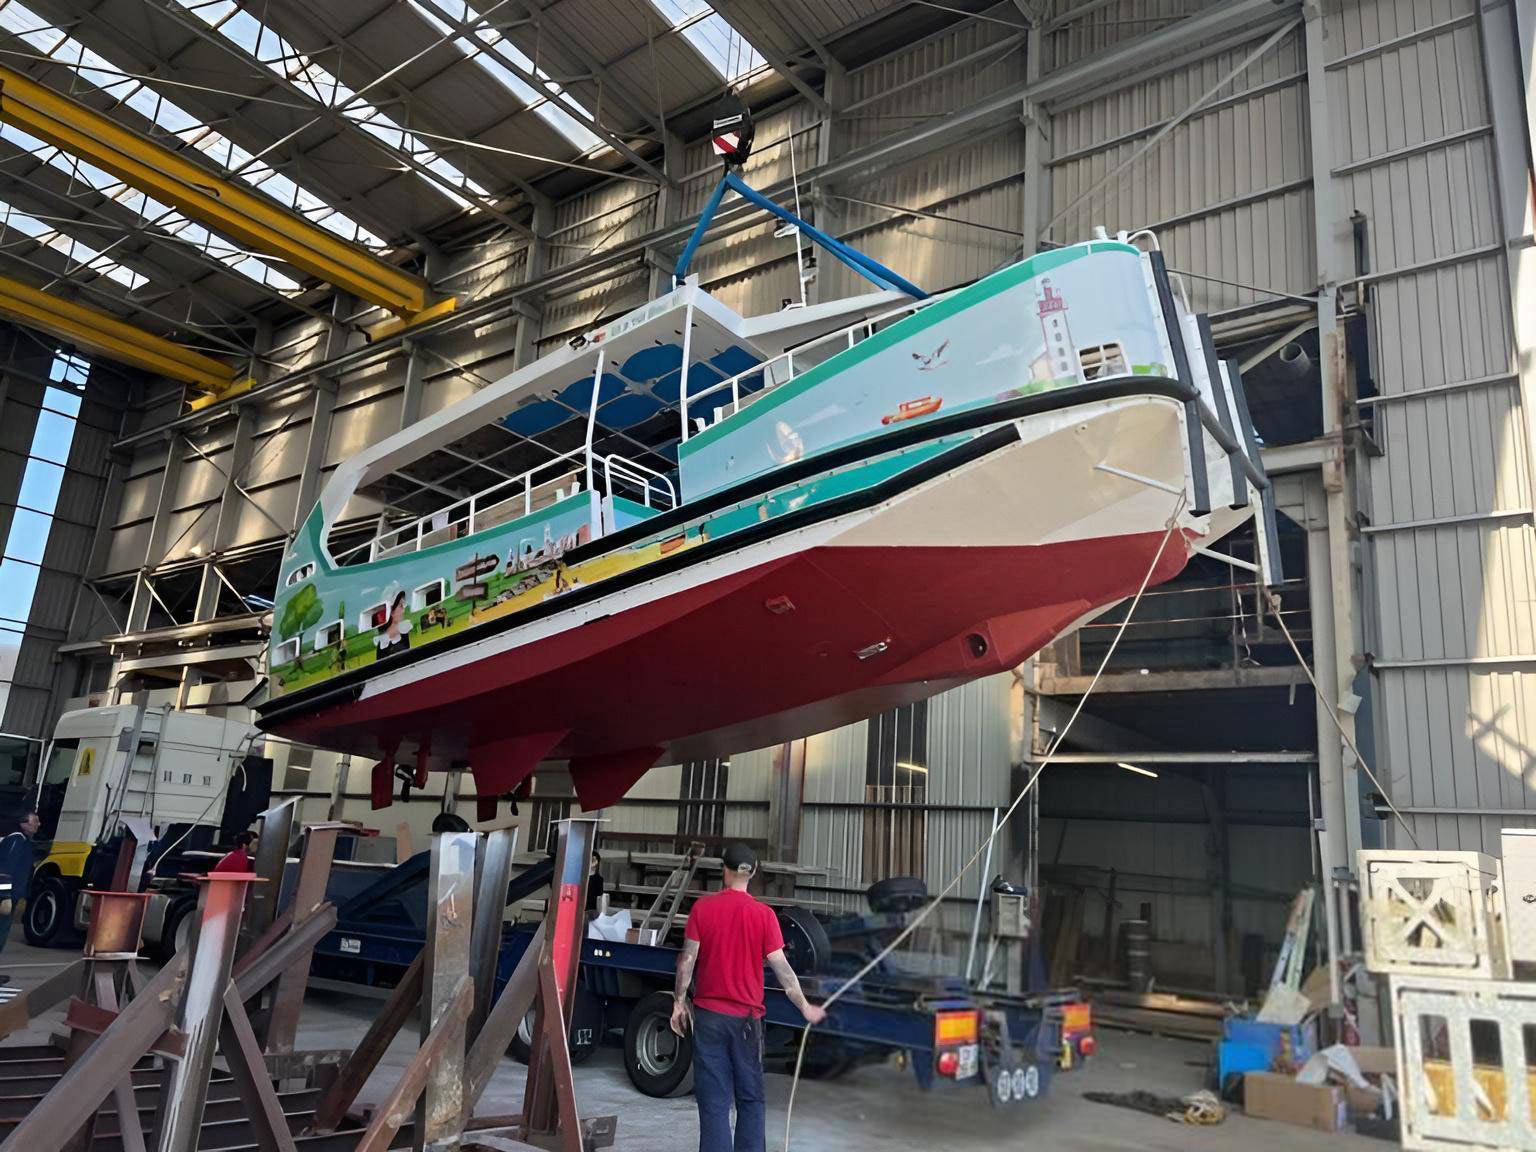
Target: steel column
{"type": "Point", "coordinates": [202, 1008]}
{"type": "Point", "coordinates": [548, 1104]}
{"type": "Point", "coordinates": [493, 872]}
{"type": "Point", "coordinates": [445, 972]}
{"type": "Point", "coordinates": [271, 859]}
{"type": "Point", "coordinates": [308, 897]}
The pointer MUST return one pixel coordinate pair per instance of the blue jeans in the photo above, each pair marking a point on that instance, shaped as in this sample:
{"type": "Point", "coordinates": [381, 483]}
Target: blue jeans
{"type": "Point", "coordinates": [728, 1068]}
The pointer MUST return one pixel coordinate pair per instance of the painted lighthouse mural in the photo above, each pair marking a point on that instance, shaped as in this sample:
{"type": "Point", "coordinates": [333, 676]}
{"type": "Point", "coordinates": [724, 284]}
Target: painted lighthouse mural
{"type": "Point", "coordinates": [1060, 353]}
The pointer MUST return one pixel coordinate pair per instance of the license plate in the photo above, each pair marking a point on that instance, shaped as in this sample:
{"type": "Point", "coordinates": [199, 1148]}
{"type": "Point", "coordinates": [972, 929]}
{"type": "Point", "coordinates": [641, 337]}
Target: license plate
{"type": "Point", "coordinates": [968, 1058]}
{"type": "Point", "coordinates": [350, 945]}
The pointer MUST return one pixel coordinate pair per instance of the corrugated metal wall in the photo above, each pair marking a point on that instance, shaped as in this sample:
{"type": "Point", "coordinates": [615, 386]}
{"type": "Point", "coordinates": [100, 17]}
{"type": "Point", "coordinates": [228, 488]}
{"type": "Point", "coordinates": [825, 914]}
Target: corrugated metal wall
{"type": "Point", "coordinates": [1228, 191]}
{"type": "Point", "coordinates": [1449, 500]}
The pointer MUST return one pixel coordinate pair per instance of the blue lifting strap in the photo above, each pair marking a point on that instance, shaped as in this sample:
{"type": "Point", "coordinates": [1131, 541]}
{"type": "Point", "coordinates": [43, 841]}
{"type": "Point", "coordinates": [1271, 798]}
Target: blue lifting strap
{"type": "Point", "coordinates": [870, 269]}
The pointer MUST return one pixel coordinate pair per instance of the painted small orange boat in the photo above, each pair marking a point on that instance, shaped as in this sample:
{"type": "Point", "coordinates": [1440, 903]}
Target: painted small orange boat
{"type": "Point", "coordinates": [912, 409]}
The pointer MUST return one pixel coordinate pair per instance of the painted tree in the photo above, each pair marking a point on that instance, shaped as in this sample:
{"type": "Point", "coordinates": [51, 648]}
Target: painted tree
{"type": "Point", "coordinates": [302, 612]}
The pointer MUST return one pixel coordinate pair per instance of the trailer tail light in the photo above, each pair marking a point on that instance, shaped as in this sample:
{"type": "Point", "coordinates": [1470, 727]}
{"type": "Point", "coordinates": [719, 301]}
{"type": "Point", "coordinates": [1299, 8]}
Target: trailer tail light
{"type": "Point", "coordinates": [952, 1028]}
{"type": "Point", "coordinates": [1077, 1042]}
{"type": "Point", "coordinates": [948, 1062]}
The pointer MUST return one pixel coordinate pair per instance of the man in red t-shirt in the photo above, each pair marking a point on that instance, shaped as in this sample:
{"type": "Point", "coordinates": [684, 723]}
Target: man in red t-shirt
{"type": "Point", "coordinates": [238, 859]}
{"type": "Point", "coordinates": [728, 938]}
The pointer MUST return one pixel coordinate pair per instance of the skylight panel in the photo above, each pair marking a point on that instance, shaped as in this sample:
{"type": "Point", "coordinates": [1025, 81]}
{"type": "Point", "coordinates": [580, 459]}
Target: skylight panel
{"type": "Point", "coordinates": [152, 212]}
{"type": "Point", "coordinates": [280, 58]}
{"type": "Point", "coordinates": [75, 251]}
{"type": "Point", "coordinates": [494, 52]}
{"type": "Point", "coordinates": [712, 36]}
{"type": "Point", "coordinates": [91, 66]}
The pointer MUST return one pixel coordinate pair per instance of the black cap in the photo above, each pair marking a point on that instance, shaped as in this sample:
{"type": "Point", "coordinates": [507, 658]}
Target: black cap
{"type": "Point", "coordinates": [739, 858]}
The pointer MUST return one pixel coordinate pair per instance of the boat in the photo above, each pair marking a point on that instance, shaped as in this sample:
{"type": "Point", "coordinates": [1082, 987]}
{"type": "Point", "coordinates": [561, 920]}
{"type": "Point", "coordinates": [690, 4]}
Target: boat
{"type": "Point", "coordinates": [688, 532]}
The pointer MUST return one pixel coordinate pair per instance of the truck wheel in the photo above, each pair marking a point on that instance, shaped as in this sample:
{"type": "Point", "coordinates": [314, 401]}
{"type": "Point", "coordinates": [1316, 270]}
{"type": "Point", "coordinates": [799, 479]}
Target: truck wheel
{"type": "Point", "coordinates": [176, 931]}
{"type": "Point", "coordinates": [659, 1062]}
{"type": "Point", "coordinates": [50, 913]}
{"type": "Point", "coordinates": [583, 1038]}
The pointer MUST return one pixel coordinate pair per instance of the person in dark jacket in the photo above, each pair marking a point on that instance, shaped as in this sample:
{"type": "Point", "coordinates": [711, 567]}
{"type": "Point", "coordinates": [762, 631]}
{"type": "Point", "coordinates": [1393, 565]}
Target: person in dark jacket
{"type": "Point", "coordinates": [16, 866]}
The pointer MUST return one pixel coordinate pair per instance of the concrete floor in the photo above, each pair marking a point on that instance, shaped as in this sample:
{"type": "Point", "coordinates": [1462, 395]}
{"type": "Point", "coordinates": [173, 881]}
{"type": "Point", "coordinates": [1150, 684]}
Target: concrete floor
{"type": "Point", "coordinates": [873, 1107]}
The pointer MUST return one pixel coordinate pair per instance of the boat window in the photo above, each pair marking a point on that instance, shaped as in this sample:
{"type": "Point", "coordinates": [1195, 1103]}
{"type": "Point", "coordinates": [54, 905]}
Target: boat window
{"type": "Point", "coordinates": [426, 596]}
{"type": "Point", "coordinates": [286, 652]}
{"type": "Point", "coordinates": [1103, 360]}
{"type": "Point", "coordinates": [302, 572]}
{"type": "Point", "coordinates": [328, 634]}
{"type": "Point", "coordinates": [374, 617]}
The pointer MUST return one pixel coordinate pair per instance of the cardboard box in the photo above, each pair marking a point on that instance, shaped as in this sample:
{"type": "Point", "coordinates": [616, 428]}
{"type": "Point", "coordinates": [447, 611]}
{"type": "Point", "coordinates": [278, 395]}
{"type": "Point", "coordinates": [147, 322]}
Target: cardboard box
{"type": "Point", "coordinates": [1275, 1097]}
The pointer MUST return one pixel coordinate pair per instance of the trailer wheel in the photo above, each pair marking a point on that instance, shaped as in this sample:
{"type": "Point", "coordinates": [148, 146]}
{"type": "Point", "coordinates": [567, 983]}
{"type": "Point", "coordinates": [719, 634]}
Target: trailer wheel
{"type": "Point", "coordinates": [807, 946]}
{"type": "Point", "coordinates": [584, 1036]}
{"type": "Point", "coordinates": [897, 894]}
{"type": "Point", "coordinates": [50, 913]}
{"type": "Point", "coordinates": [659, 1062]}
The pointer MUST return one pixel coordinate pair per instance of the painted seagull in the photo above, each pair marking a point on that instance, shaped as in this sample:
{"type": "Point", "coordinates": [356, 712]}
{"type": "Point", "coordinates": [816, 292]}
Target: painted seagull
{"type": "Point", "coordinates": [933, 360]}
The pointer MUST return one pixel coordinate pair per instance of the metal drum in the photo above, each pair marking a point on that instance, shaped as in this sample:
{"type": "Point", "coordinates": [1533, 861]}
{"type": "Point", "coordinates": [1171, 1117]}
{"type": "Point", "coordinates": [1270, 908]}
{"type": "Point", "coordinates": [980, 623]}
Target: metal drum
{"type": "Point", "coordinates": [1137, 938]}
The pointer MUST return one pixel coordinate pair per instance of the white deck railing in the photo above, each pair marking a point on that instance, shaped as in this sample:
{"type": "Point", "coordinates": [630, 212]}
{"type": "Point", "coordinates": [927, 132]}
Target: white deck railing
{"type": "Point", "coordinates": [516, 497]}
{"type": "Point", "coordinates": [790, 363]}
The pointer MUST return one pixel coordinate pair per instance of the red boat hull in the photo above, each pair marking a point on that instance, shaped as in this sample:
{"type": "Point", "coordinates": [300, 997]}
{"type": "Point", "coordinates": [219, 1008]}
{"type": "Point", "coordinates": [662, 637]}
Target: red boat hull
{"type": "Point", "coordinates": [796, 645]}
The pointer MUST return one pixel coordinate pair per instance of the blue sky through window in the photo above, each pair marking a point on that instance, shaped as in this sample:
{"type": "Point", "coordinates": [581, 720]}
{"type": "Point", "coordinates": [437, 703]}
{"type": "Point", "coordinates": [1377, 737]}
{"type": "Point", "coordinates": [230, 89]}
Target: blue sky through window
{"type": "Point", "coordinates": [37, 498]}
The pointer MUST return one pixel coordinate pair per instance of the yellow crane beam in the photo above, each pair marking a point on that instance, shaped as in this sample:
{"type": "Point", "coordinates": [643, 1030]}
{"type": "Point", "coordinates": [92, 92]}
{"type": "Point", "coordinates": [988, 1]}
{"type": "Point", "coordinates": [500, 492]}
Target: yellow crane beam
{"type": "Point", "coordinates": [102, 334]}
{"type": "Point", "coordinates": [223, 205]}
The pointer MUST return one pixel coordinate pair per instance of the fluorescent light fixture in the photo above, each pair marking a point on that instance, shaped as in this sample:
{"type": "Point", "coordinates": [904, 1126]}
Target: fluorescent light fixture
{"type": "Point", "coordinates": [911, 767]}
{"type": "Point", "coordinates": [1135, 769]}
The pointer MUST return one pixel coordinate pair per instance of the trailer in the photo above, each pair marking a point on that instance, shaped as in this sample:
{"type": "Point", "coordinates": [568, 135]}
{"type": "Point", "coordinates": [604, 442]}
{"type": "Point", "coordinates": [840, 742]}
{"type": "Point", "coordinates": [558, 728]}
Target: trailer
{"type": "Point", "coordinates": [951, 1036]}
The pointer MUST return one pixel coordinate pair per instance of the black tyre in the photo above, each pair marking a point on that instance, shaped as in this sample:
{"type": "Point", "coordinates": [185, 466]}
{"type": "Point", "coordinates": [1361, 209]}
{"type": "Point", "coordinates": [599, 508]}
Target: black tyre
{"type": "Point", "coordinates": [659, 1062]}
{"type": "Point", "coordinates": [176, 932]}
{"type": "Point", "coordinates": [898, 894]}
{"type": "Point", "coordinates": [807, 946]}
{"type": "Point", "coordinates": [49, 919]}
{"type": "Point", "coordinates": [583, 1038]}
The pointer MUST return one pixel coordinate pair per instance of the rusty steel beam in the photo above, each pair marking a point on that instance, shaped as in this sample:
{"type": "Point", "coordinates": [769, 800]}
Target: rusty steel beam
{"type": "Point", "coordinates": [271, 861]}
{"type": "Point", "coordinates": [242, 1053]}
{"type": "Point", "coordinates": [75, 1096]}
{"type": "Point", "coordinates": [271, 964]}
{"type": "Point", "coordinates": [501, 1024]}
{"type": "Point", "coordinates": [308, 897]}
{"type": "Point", "coordinates": [396, 1107]}
{"type": "Point", "coordinates": [370, 1050]}
{"type": "Point", "coordinates": [35, 1001]}
{"type": "Point", "coordinates": [93, 1020]}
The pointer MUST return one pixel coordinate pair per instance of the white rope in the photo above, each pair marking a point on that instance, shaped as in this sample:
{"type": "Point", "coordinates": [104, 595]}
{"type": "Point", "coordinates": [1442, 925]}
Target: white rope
{"type": "Point", "coordinates": [933, 904]}
{"type": "Point", "coordinates": [1274, 609]}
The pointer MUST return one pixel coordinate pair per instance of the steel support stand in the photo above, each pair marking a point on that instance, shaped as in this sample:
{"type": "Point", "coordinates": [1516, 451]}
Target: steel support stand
{"type": "Point", "coordinates": [445, 971]}
{"type": "Point", "coordinates": [493, 872]}
{"type": "Point", "coordinates": [213, 951]}
{"type": "Point", "coordinates": [549, 1097]}
{"type": "Point", "coordinates": [308, 897]}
